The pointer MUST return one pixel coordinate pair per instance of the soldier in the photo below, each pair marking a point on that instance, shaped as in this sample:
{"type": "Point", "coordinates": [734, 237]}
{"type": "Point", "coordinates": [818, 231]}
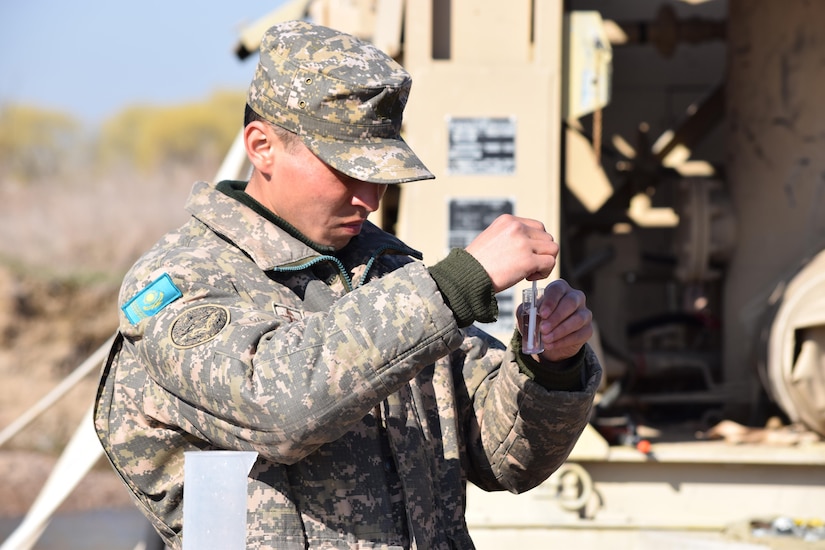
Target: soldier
{"type": "Point", "coordinates": [279, 320]}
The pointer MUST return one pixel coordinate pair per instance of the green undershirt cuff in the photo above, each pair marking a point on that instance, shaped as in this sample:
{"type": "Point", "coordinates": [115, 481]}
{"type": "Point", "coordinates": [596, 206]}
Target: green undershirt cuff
{"type": "Point", "coordinates": [466, 288]}
{"type": "Point", "coordinates": [566, 375]}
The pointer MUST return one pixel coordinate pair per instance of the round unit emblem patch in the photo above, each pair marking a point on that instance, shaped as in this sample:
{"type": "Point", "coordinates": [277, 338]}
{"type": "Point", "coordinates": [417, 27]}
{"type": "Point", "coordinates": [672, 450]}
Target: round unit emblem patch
{"type": "Point", "coordinates": [198, 325]}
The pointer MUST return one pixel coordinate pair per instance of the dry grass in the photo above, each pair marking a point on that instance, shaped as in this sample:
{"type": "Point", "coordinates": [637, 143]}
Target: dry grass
{"type": "Point", "coordinates": [90, 226]}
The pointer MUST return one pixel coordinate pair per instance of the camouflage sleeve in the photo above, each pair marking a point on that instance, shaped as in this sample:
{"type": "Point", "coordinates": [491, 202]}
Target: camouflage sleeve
{"type": "Point", "coordinates": [517, 432]}
{"type": "Point", "coordinates": [243, 377]}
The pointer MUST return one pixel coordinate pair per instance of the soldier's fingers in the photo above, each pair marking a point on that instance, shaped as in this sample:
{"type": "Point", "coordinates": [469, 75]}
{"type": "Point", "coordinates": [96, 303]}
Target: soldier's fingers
{"type": "Point", "coordinates": [575, 329]}
{"type": "Point", "coordinates": [559, 302]}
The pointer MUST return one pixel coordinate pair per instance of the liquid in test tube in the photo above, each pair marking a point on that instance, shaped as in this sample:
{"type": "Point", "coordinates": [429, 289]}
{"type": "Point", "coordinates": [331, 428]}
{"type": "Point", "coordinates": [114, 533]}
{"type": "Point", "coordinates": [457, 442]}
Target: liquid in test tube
{"type": "Point", "coordinates": [530, 336]}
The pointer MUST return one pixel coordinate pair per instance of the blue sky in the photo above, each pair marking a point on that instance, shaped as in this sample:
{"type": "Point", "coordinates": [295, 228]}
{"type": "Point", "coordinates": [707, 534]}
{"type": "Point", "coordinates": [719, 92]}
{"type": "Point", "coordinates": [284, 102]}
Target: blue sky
{"type": "Point", "coordinates": [91, 58]}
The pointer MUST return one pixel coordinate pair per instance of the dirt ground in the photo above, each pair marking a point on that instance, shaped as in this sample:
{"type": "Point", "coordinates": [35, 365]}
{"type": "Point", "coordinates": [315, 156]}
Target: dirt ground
{"type": "Point", "coordinates": [47, 329]}
{"type": "Point", "coordinates": [23, 474]}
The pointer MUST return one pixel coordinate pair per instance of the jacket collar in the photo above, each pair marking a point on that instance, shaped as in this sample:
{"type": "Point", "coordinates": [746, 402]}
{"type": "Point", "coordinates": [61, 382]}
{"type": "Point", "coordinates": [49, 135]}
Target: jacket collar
{"type": "Point", "coordinates": [272, 246]}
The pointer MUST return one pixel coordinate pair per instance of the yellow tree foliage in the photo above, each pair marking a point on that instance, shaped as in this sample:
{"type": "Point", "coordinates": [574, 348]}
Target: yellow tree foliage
{"type": "Point", "coordinates": [37, 143]}
{"type": "Point", "coordinates": [151, 138]}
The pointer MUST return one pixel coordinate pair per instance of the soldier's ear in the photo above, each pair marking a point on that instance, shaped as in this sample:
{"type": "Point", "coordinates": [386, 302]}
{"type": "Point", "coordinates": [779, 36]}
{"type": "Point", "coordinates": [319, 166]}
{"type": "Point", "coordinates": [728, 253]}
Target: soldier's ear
{"type": "Point", "coordinates": [259, 140]}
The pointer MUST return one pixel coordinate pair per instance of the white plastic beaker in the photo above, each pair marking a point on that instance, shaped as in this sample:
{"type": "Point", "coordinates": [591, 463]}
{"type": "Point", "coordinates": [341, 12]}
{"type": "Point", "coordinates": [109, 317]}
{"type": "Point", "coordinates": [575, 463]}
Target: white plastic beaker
{"type": "Point", "coordinates": [214, 499]}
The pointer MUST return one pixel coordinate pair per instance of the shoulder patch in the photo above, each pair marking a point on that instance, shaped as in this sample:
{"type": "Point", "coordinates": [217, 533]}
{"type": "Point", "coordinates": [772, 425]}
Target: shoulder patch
{"type": "Point", "coordinates": [157, 295]}
{"type": "Point", "coordinates": [198, 325]}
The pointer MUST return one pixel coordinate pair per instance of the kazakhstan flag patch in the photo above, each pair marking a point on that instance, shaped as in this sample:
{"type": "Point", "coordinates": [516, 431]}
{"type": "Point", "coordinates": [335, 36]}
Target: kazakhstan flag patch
{"type": "Point", "coordinates": [159, 294]}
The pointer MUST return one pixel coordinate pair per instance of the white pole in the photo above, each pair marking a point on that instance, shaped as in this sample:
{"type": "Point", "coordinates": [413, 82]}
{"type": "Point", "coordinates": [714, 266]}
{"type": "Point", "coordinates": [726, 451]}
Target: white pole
{"type": "Point", "coordinates": [235, 165]}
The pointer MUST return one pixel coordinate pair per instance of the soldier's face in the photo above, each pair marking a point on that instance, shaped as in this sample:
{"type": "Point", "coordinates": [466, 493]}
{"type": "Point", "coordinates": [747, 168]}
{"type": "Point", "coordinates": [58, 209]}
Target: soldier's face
{"type": "Point", "coordinates": [325, 205]}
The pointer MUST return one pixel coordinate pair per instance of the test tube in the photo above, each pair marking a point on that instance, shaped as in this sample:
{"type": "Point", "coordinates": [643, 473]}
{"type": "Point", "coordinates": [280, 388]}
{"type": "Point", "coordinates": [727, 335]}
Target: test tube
{"type": "Point", "coordinates": [530, 336]}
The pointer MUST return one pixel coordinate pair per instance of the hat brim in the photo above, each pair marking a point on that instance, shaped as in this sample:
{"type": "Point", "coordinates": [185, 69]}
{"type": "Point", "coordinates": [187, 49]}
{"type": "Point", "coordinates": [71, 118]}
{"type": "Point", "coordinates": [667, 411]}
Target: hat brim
{"type": "Point", "coordinates": [380, 160]}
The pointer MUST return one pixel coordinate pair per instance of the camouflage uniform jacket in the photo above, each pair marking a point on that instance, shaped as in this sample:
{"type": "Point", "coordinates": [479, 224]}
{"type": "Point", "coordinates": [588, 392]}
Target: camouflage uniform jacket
{"type": "Point", "coordinates": [368, 406]}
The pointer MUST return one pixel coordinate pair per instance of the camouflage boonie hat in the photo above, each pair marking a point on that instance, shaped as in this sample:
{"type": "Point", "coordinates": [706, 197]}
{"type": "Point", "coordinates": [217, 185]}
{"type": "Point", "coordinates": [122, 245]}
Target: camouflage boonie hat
{"type": "Point", "coordinates": [344, 97]}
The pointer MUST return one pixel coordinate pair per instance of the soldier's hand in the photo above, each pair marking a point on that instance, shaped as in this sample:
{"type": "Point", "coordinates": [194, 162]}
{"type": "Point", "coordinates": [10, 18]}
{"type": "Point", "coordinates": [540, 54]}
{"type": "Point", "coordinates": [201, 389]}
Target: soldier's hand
{"type": "Point", "coordinates": [513, 249]}
{"type": "Point", "coordinates": [565, 322]}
